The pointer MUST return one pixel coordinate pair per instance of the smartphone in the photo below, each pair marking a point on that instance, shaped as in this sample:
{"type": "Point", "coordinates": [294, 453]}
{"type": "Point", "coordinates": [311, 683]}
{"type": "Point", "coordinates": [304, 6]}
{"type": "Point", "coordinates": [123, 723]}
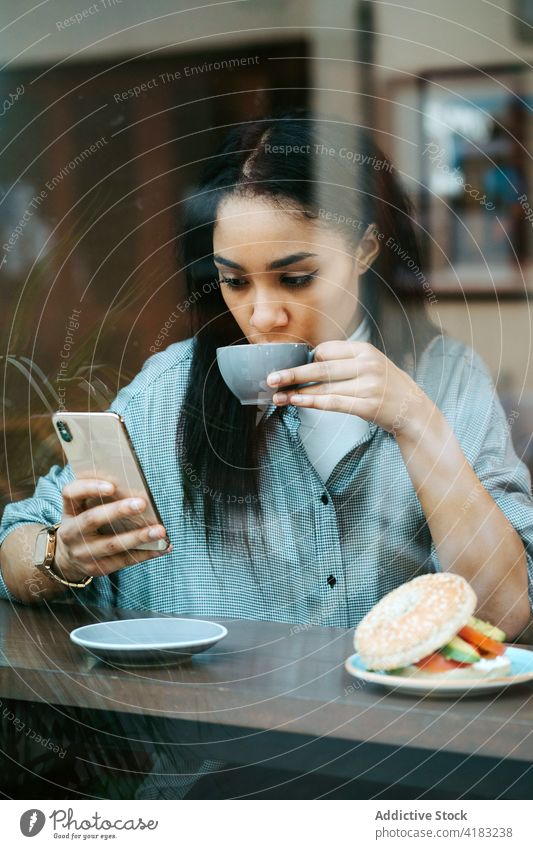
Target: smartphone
{"type": "Point", "coordinates": [97, 445]}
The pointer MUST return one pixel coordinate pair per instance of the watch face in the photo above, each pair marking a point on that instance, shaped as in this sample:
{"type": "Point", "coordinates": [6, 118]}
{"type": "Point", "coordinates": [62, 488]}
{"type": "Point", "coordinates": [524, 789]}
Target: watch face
{"type": "Point", "coordinates": [41, 546]}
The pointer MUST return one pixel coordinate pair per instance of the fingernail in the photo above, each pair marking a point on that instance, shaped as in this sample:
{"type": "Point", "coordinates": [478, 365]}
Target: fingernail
{"type": "Point", "coordinates": [155, 533]}
{"type": "Point", "coordinates": [279, 398]}
{"type": "Point", "coordinates": [136, 503]}
{"type": "Point", "coordinates": [274, 378]}
{"type": "Point", "coordinates": [105, 487]}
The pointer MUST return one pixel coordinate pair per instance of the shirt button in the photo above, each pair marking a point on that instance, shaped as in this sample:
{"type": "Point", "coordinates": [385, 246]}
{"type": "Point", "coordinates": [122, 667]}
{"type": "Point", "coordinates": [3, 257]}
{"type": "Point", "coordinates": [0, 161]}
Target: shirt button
{"type": "Point", "coordinates": [324, 498]}
{"type": "Point", "coordinates": [332, 581]}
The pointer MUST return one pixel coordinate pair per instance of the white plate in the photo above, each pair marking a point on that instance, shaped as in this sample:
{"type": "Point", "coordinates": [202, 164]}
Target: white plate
{"type": "Point", "coordinates": [150, 641]}
{"type": "Point", "coordinates": [521, 671]}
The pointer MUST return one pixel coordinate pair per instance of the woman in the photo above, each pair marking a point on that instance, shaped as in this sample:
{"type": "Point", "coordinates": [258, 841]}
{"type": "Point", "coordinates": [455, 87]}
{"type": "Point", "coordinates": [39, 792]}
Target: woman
{"type": "Point", "coordinates": [396, 461]}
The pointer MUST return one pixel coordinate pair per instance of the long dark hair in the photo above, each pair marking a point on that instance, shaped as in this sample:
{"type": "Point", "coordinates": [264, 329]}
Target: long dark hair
{"type": "Point", "coordinates": [328, 170]}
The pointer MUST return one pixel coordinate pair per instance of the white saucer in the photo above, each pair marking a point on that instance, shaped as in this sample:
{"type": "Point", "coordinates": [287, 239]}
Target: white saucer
{"type": "Point", "coordinates": [521, 671]}
{"type": "Point", "coordinates": [151, 641]}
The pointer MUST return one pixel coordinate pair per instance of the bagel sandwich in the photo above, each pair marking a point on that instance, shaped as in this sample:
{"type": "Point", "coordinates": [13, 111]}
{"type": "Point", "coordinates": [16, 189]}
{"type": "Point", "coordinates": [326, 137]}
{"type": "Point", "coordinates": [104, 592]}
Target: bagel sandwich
{"type": "Point", "coordinates": [426, 628]}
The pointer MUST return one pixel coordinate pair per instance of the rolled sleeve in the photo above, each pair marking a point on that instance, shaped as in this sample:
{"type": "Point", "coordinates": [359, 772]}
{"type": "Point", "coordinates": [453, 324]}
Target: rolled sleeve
{"type": "Point", "coordinates": [485, 434]}
{"type": "Point", "coordinates": [507, 479]}
{"type": "Point", "coordinates": [45, 507]}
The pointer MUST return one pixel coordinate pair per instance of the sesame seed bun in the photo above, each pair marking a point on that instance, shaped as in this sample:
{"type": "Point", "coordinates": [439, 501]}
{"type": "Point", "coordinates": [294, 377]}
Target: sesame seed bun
{"type": "Point", "coordinates": [414, 620]}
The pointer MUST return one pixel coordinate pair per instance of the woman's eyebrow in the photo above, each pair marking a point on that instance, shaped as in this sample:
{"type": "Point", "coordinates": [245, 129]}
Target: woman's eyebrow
{"type": "Point", "coordinates": [277, 263]}
{"type": "Point", "coordinates": [228, 262]}
{"type": "Point", "coordinates": [289, 260]}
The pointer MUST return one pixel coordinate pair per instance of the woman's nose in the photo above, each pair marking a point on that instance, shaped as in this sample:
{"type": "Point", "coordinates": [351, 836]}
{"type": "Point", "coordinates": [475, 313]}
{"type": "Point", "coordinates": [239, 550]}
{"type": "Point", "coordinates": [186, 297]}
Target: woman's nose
{"type": "Point", "coordinates": [268, 315]}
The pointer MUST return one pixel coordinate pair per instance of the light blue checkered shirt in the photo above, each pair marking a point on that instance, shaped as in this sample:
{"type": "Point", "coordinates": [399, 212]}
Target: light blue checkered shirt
{"type": "Point", "coordinates": [331, 550]}
{"type": "Point", "coordinates": [364, 528]}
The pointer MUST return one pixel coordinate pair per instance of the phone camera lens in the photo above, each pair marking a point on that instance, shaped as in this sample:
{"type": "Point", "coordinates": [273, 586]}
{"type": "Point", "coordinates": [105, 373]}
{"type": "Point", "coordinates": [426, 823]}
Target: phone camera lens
{"type": "Point", "coordinates": [64, 432]}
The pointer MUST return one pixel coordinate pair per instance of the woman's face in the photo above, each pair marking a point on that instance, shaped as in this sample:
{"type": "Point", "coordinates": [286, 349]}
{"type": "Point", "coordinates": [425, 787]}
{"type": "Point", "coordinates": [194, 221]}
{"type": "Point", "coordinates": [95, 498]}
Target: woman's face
{"type": "Point", "coordinates": [286, 278]}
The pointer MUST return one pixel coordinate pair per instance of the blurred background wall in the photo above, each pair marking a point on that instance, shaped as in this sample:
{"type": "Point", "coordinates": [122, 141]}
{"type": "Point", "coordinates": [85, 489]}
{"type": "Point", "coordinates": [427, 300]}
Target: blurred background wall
{"type": "Point", "coordinates": [108, 110]}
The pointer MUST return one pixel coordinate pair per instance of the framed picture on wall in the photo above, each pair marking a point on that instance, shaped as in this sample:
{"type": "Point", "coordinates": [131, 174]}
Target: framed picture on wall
{"type": "Point", "coordinates": [522, 12]}
{"type": "Point", "coordinates": [464, 139]}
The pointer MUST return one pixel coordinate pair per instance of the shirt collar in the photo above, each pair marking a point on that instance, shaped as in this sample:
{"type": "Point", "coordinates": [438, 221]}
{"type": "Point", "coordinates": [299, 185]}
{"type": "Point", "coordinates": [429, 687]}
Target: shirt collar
{"type": "Point", "coordinates": [291, 415]}
{"type": "Point", "coordinates": [289, 411]}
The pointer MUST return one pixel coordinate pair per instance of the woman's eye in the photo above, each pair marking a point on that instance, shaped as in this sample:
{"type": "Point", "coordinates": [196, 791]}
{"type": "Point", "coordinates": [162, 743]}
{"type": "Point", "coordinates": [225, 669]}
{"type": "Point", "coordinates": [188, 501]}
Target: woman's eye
{"type": "Point", "coordinates": [233, 282]}
{"type": "Point", "coordinates": [289, 282]}
{"type": "Point", "coordinates": [295, 282]}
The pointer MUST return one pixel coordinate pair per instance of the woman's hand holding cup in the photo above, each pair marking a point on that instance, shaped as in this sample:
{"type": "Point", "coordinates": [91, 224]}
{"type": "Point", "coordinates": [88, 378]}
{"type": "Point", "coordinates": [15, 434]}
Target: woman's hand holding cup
{"type": "Point", "coordinates": [81, 551]}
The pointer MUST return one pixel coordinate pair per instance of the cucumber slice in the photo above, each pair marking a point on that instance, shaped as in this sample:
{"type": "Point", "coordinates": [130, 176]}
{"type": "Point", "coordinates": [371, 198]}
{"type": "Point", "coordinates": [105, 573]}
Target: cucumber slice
{"type": "Point", "coordinates": [486, 628]}
{"type": "Point", "coordinates": [458, 649]}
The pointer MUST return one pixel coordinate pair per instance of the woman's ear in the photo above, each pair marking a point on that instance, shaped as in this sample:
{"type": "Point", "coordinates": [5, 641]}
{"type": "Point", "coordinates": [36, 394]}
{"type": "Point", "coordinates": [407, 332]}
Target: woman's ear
{"type": "Point", "coordinates": [367, 249]}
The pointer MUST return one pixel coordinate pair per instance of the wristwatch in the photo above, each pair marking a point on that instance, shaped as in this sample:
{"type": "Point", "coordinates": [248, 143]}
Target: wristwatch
{"type": "Point", "coordinates": [43, 557]}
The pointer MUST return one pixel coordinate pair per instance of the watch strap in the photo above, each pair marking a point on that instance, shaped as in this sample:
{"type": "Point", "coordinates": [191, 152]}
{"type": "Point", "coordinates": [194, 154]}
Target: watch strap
{"type": "Point", "coordinates": [46, 566]}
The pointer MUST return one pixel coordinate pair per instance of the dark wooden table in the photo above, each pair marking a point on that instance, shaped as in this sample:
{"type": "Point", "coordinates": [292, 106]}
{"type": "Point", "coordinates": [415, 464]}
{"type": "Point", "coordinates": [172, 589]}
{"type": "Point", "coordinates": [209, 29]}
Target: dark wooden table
{"type": "Point", "coordinates": [272, 694]}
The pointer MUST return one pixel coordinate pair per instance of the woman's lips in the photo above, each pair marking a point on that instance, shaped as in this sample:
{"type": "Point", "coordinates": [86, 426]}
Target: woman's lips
{"type": "Point", "coordinates": [274, 341]}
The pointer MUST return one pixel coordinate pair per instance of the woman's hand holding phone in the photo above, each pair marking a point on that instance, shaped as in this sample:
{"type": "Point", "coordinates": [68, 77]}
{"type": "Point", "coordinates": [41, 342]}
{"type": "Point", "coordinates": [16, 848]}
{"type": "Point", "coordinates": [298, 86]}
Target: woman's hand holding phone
{"type": "Point", "coordinates": [81, 550]}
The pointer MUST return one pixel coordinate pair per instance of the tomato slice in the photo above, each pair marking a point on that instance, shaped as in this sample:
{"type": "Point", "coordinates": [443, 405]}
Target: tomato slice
{"type": "Point", "coordinates": [479, 640]}
{"type": "Point", "coordinates": [436, 662]}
